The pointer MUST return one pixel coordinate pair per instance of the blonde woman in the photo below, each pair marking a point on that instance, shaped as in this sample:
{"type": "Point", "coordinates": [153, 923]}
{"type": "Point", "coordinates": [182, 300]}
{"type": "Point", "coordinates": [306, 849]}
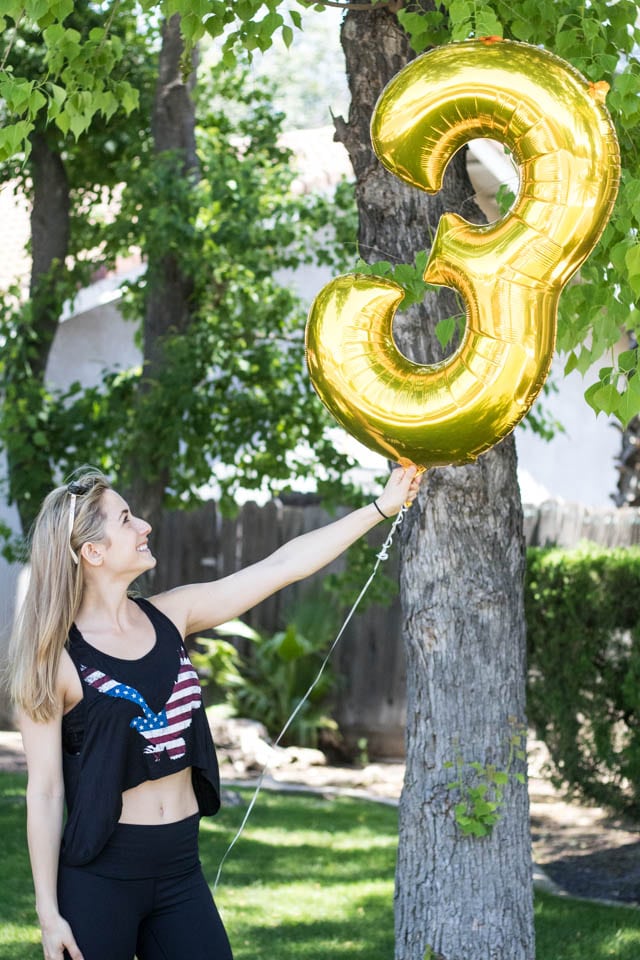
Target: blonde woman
{"type": "Point", "coordinates": [114, 729]}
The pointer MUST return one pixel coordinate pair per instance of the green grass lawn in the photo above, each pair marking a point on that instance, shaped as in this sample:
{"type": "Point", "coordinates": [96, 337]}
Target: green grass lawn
{"type": "Point", "coordinates": [310, 879]}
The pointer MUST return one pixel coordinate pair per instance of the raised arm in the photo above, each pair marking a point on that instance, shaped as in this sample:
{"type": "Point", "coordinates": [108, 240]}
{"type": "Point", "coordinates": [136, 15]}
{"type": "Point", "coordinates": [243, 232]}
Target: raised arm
{"type": "Point", "coordinates": [200, 606]}
{"type": "Point", "coordinates": [45, 806]}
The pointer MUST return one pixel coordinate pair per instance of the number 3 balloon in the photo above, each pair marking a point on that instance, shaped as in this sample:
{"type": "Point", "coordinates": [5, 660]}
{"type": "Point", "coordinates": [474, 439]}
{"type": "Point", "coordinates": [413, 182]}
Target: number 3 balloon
{"type": "Point", "coordinates": [510, 273]}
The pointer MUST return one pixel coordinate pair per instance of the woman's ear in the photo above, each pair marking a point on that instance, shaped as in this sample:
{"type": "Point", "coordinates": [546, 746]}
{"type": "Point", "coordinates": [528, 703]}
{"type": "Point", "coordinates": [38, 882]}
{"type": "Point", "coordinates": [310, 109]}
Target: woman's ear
{"type": "Point", "coordinates": [93, 553]}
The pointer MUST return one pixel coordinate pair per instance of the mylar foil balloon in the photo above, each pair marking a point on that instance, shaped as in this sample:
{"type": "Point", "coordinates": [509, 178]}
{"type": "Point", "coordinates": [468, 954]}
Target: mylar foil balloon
{"type": "Point", "coordinates": [510, 273]}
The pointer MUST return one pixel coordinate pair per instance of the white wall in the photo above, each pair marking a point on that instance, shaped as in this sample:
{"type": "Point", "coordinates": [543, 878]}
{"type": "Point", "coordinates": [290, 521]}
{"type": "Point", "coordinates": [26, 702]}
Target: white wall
{"type": "Point", "coordinates": [579, 464]}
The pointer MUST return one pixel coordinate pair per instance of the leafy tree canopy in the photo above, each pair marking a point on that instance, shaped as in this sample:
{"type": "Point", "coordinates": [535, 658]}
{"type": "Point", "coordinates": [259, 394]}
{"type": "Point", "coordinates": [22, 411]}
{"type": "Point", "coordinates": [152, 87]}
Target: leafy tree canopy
{"type": "Point", "coordinates": [232, 389]}
{"type": "Point", "coordinates": [82, 78]}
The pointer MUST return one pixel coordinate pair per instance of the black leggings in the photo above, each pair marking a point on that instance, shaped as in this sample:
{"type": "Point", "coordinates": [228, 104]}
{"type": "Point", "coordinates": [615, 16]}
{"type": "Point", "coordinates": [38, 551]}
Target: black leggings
{"type": "Point", "coordinates": [145, 896]}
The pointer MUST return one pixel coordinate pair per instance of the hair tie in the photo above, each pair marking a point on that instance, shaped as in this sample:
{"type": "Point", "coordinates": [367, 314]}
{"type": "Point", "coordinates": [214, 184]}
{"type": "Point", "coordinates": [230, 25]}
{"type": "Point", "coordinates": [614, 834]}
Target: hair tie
{"type": "Point", "coordinates": [375, 503]}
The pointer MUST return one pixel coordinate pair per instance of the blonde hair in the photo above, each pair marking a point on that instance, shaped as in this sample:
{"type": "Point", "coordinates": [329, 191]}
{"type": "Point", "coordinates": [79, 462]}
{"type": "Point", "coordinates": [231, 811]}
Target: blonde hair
{"type": "Point", "coordinates": [54, 593]}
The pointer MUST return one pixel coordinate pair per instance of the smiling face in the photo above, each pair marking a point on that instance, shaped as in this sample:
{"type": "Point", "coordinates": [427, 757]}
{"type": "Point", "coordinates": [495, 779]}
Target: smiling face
{"type": "Point", "coordinates": [124, 550]}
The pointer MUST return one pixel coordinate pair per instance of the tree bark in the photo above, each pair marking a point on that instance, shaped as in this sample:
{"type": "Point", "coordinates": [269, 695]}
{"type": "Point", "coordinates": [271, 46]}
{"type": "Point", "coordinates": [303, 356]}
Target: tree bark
{"type": "Point", "coordinates": [628, 466]}
{"type": "Point", "coordinates": [49, 248]}
{"type": "Point", "coordinates": [173, 128]}
{"type": "Point", "coordinates": [49, 243]}
{"type": "Point", "coordinates": [170, 287]}
{"type": "Point", "coordinates": [457, 897]}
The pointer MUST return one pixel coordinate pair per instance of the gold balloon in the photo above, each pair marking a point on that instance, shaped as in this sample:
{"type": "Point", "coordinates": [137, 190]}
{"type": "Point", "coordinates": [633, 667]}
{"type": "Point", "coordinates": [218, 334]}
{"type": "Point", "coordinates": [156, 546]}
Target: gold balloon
{"type": "Point", "coordinates": [510, 273]}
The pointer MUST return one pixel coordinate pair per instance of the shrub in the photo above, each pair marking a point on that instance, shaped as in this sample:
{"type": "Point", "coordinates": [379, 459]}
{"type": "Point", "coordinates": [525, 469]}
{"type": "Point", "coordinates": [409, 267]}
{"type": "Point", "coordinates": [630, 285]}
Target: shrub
{"type": "Point", "coordinates": [270, 683]}
{"type": "Point", "coordinates": [583, 626]}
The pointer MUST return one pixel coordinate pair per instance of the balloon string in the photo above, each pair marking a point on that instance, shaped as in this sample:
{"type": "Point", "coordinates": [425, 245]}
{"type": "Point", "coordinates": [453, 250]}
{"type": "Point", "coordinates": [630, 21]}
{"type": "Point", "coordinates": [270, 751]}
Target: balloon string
{"type": "Point", "coordinates": [382, 555]}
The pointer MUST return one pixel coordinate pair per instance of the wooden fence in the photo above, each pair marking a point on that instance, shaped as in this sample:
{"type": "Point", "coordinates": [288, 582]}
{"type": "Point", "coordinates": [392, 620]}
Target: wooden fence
{"type": "Point", "coordinates": [370, 698]}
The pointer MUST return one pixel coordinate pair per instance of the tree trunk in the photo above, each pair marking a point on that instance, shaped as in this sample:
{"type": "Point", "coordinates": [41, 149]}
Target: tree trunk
{"type": "Point", "coordinates": [49, 246]}
{"type": "Point", "coordinates": [49, 243]}
{"type": "Point", "coordinates": [458, 897]}
{"type": "Point", "coordinates": [170, 286]}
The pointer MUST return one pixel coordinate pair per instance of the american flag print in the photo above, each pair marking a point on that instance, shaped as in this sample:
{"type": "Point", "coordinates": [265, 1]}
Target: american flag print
{"type": "Point", "coordinates": [162, 730]}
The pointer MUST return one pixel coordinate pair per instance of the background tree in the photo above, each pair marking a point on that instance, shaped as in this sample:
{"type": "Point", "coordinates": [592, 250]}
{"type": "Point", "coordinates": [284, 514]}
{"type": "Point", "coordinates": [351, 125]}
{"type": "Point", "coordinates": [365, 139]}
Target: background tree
{"type": "Point", "coordinates": [221, 338]}
{"type": "Point", "coordinates": [62, 180]}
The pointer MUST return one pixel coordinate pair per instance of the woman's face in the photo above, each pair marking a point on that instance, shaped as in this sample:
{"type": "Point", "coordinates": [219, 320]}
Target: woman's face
{"type": "Point", "coordinates": [124, 548]}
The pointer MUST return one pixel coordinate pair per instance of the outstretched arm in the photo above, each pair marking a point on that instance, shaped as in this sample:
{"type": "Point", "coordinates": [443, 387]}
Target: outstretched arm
{"type": "Point", "coordinates": [200, 606]}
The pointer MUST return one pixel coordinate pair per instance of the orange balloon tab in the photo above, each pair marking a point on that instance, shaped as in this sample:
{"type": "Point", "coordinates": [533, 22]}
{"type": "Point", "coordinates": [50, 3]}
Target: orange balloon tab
{"type": "Point", "coordinates": [599, 90]}
{"type": "Point", "coordinates": [510, 273]}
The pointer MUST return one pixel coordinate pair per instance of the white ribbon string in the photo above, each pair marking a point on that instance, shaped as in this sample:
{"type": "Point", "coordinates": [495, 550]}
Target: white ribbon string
{"type": "Point", "coordinates": [380, 556]}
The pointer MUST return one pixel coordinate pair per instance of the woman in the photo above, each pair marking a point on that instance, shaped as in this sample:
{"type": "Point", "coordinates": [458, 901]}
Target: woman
{"type": "Point", "coordinates": [113, 725]}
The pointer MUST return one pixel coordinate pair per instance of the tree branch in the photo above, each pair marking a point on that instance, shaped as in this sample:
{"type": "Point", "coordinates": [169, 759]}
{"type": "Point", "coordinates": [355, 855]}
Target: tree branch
{"type": "Point", "coordinates": [392, 5]}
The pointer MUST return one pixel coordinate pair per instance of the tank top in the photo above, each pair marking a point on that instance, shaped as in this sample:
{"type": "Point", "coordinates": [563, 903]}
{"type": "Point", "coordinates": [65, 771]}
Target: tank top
{"type": "Point", "coordinates": [138, 720]}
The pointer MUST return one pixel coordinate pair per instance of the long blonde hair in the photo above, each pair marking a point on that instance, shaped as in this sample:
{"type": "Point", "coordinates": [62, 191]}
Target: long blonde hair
{"type": "Point", "coordinates": [54, 593]}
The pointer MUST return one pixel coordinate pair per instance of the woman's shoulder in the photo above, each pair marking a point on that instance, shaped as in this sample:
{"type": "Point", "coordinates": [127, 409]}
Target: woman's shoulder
{"type": "Point", "coordinates": [161, 608]}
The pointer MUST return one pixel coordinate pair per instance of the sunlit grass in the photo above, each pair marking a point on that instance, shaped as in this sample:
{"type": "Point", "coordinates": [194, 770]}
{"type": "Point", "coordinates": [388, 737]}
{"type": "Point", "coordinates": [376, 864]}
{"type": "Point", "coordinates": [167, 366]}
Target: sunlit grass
{"type": "Point", "coordinates": [310, 879]}
{"type": "Point", "coordinates": [576, 930]}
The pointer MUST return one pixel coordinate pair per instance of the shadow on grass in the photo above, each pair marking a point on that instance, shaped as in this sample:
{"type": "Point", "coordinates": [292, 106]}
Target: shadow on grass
{"type": "Point", "coordinates": [573, 930]}
{"type": "Point", "coordinates": [367, 937]}
{"type": "Point", "coordinates": [311, 879]}
{"type": "Point", "coordinates": [291, 837]}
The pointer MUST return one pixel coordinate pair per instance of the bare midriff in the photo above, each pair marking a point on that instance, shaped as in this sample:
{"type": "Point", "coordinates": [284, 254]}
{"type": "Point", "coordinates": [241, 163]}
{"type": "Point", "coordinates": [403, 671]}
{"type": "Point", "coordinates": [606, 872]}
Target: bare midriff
{"type": "Point", "coordinates": [160, 801]}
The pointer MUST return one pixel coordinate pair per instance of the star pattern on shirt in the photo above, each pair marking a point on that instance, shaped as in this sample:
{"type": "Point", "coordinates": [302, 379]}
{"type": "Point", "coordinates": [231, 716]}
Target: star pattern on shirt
{"type": "Point", "coordinates": [163, 730]}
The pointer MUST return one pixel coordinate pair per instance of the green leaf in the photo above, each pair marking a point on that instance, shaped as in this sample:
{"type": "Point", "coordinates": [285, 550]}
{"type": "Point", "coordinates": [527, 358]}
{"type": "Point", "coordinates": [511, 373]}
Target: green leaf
{"type": "Point", "coordinates": [287, 35]}
{"type": "Point", "coordinates": [590, 397]}
{"type": "Point", "coordinates": [37, 101]}
{"type": "Point", "coordinates": [58, 93]}
{"type": "Point", "coordinates": [237, 628]}
{"type": "Point", "coordinates": [35, 9]}
{"type": "Point", "coordinates": [62, 122]}
{"type": "Point", "coordinates": [78, 124]}
{"type": "Point", "coordinates": [487, 23]}
{"type": "Point", "coordinates": [482, 808]}
{"type": "Point", "coordinates": [607, 398]}
{"type": "Point", "coordinates": [11, 8]}
{"type": "Point", "coordinates": [571, 364]}
{"type": "Point", "coordinates": [445, 331]}
{"type": "Point", "coordinates": [628, 405]}
{"type": "Point", "coordinates": [289, 644]}
{"type": "Point", "coordinates": [632, 263]}
{"type": "Point", "coordinates": [628, 360]}
{"type": "Point", "coordinates": [129, 97]}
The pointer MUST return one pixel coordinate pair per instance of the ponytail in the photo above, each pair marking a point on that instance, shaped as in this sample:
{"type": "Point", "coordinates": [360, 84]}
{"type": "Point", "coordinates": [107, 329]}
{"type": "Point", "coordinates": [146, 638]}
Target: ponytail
{"type": "Point", "coordinates": [56, 584]}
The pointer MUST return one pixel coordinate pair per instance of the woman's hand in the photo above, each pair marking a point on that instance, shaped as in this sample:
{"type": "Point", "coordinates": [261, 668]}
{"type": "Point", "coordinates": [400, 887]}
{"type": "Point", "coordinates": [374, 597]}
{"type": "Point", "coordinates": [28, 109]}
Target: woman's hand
{"type": "Point", "coordinates": [401, 487]}
{"type": "Point", "coordinates": [56, 937]}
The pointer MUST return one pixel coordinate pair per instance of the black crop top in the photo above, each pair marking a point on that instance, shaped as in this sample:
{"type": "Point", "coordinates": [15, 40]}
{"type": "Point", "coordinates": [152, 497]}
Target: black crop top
{"type": "Point", "coordinates": [138, 720]}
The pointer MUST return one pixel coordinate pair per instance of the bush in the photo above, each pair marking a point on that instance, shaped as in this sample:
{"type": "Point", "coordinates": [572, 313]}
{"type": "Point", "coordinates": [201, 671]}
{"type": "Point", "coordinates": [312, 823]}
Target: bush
{"type": "Point", "coordinates": [270, 683]}
{"type": "Point", "coordinates": [583, 627]}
